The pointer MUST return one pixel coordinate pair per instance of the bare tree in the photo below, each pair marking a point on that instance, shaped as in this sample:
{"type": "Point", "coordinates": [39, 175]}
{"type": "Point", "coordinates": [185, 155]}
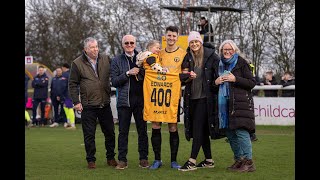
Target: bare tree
{"type": "Point", "coordinates": [55, 29]}
{"type": "Point", "coordinates": [281, 43]}
{"type": "Point", "coordinates": [255, 40]}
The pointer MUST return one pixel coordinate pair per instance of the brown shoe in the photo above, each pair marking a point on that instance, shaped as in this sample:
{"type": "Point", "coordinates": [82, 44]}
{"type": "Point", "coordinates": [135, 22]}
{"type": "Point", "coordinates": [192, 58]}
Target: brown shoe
{"type": "Point", "coordinates": [236, 165]}
{"type": "Point", "coordinates": [91, 165]}
{"type": "Point", "coordinates": [112, 162]}
{"type": "Point", "coordinates": [144, 163]}
{"type": "Point", "coordinates": [122, 165]}
{"type": "Point", "coordinates": [247, 166]}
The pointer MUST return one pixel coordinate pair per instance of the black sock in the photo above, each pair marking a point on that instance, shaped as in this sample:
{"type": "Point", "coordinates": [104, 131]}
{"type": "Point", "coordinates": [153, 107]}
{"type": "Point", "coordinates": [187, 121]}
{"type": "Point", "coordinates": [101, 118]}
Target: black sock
{"type": "Point", "coordinates": [174, 145]}
{"type": "Point", "coordinates": [156, 143]}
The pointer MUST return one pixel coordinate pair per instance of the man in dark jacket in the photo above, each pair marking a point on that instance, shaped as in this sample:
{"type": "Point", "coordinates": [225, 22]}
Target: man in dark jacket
{"type": "Point", "coordinates": [269, 79]}
{"type": "Point", "coordinates": [128, 79]}
{"type": "Point", "coordinates": [59, 86]}
{"type": "Point", "coordinates": [90, 72]}
{"type": "Point", "coordinates": [40, 95]}
{"type": "Point", "coordinates": [65, 70]}
{"type": "Point", "coordinates": [287, 80]}
{"type": "Point", "coordinates": [204, 29]}
{"type": "Point", "coordinates": [68, 105]}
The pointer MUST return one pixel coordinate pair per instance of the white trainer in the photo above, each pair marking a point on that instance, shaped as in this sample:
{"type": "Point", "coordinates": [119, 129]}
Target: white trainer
{"type": "Point", "coordinates": [54, 125]}
{"type": "Point", "coordinates": [65, 125]}
{"type": "Point", "coordinates": [71, 127]}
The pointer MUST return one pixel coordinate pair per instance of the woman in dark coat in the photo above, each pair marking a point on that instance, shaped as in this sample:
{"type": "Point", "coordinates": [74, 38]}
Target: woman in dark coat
{"type": "Point", "coordinates": [235, 104]}
{"type": "Point", "coordinates": [199, 100]}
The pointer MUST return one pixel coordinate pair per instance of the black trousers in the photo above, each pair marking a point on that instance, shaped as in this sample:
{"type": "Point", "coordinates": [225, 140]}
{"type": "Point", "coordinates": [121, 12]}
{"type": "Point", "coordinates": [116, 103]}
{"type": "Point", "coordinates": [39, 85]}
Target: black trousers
{"type": "Point", "coordinates": [124, 116]}
{"type": "Point", "coordinates": [89, 118]}
{"type": "Point", "coordinates": [35, 104]}
{"type": "Point", "coordinates": [59, 114]}
{"type": "Point", "coordinates": [200, 128]}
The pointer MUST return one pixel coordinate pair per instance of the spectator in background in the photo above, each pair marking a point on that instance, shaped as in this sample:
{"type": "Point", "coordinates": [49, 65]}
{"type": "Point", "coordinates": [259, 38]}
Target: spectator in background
{"type": "Point", "coordinates": [59, 86]}
{"type": "Point", "coordinates": [235, 104]}
{"type": "Point", "coordinates": [258, 83]}
{"type": "Point", "coordinates": [204, 28]}
{"type": "Point", "coordinates": [65, 70]}
{"type": "Point", "coordinates": [26, 81]}
{"type": "Point", "coordinates": [269, 79]}
{"type": "Point", "coordinates": [127, 77]}
{"type": "Point", "coordinates": [287, 80]}
{"type": "Point", "coordinates": [40, 84]}
{"type": "Point", "coordinates": [26, 114]}
{"type": "Point", "coordinates": [254, 92]}
{"type": "Point", "coordinates": [253, 135]}
{"type": "Point", "coordinates": [68, 105]}
{"type": "Point", "coordinates": [90, 73]}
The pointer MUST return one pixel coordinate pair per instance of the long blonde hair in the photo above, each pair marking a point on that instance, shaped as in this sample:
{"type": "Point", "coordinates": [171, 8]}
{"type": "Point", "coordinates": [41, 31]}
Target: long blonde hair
{"type": "Point", "coordinates": [197, 58]}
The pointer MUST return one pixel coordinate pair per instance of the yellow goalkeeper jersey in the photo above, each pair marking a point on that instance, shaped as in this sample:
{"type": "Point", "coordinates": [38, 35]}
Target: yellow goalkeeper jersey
{"type": "Point", "coordinates": [161, 93]}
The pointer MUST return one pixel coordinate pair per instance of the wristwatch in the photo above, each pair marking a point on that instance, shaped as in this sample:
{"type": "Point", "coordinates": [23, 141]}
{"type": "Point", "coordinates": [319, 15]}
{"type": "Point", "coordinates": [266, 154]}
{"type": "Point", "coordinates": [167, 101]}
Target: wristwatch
{"type": "Point", "coordinates": [127, 73]}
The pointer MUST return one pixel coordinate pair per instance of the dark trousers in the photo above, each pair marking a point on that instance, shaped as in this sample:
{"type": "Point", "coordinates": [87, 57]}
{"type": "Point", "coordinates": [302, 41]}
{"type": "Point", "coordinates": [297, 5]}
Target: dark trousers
{"type": "Point", "coordinates": [89, 118]}
{"type": "Point", "coordinates": [124, 116]}
{"type": "Point", "coordinates": [59, 114]}
{"type": "Point", "coordinates": [200, 128]}
{"type": "Point", "coordinates": [35, 103]}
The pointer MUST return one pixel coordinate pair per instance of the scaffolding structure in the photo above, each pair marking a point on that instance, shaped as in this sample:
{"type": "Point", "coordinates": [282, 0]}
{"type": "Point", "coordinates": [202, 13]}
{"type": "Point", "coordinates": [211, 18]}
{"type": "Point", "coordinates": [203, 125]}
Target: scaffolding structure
{"type": "Point", "coordinates": [194, 8]}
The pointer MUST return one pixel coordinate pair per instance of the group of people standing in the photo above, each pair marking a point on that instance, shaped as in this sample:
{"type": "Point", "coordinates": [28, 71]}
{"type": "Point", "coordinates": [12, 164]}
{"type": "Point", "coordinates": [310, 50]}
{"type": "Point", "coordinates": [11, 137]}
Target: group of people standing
{"type": "Point", "coordinates": [286, 80]}
{"type": "Point", "coordinates": [59, 95]}
{"type": "Point", "coordinates": [61, 102]}
{"type": "Point", "coordinates": [217, 100]}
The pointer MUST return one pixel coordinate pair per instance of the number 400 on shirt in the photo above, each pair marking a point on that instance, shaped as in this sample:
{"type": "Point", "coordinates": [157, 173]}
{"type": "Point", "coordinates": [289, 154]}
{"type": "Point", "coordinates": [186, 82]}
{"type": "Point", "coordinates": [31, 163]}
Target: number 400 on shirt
{"type": "Point", "coordinates": [161, 96]}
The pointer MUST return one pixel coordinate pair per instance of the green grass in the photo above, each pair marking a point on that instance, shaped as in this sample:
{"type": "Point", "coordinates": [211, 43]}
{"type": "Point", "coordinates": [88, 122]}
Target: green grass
{"type": "Point", "coordinates": [57, 153]}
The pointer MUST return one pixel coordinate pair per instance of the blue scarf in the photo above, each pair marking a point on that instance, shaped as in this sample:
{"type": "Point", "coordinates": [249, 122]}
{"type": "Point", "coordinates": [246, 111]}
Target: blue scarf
{"type": "Point", "coordinates": [223, 95]}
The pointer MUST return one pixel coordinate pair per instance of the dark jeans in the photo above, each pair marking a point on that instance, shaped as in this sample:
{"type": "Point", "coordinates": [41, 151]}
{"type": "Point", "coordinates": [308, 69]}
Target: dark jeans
{"type": "Point", "coordinates": [200, 128]}
{"type": "Point", "coordinates": [124, 116]}
{"type": "Point", "coordinates": [35, 104]}
{"type": "Point", "coordinates": [59, 114]}
{"type": "Point", "coordinates": [89, 118]}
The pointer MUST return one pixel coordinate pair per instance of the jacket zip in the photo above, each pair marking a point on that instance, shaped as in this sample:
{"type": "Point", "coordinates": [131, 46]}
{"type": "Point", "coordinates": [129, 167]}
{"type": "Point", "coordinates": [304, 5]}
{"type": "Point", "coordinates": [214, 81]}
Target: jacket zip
{"type": "Point", "coordinates": [97, 76]}
{"type": "Point", "coordinates": [129, 81]}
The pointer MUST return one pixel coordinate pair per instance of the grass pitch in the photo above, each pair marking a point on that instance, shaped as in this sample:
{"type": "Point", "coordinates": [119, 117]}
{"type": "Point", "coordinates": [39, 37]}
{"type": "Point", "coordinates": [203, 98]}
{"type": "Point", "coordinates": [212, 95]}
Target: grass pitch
{"type": "Point", "coordinates": [57, 153]}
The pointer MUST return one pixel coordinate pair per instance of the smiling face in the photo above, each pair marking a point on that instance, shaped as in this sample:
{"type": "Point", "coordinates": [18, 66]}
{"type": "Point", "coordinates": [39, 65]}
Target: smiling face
{"type": "Point", "coordinates": [195, 46]}
{"type": "Point", "coordinates": [129, 43]}
{"type": "Point", "coordinates": [171, 38]}
{"type": "Point", "coordinates": [155, 49]}
{"type": "Point", "coordinates": [227, 51]}
{"type": "Point", "coordinates": [92, 49]}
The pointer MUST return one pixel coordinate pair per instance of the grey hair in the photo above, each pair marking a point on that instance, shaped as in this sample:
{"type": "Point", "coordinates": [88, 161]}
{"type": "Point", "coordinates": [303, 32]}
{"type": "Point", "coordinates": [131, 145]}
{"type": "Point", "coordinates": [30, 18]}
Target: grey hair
{"type": "Point", "coordinates": [87, 40]}
{"type": "Point", "coordinates": [232, 44]}
{"type": "Point", "coordinates": [128, 35]}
